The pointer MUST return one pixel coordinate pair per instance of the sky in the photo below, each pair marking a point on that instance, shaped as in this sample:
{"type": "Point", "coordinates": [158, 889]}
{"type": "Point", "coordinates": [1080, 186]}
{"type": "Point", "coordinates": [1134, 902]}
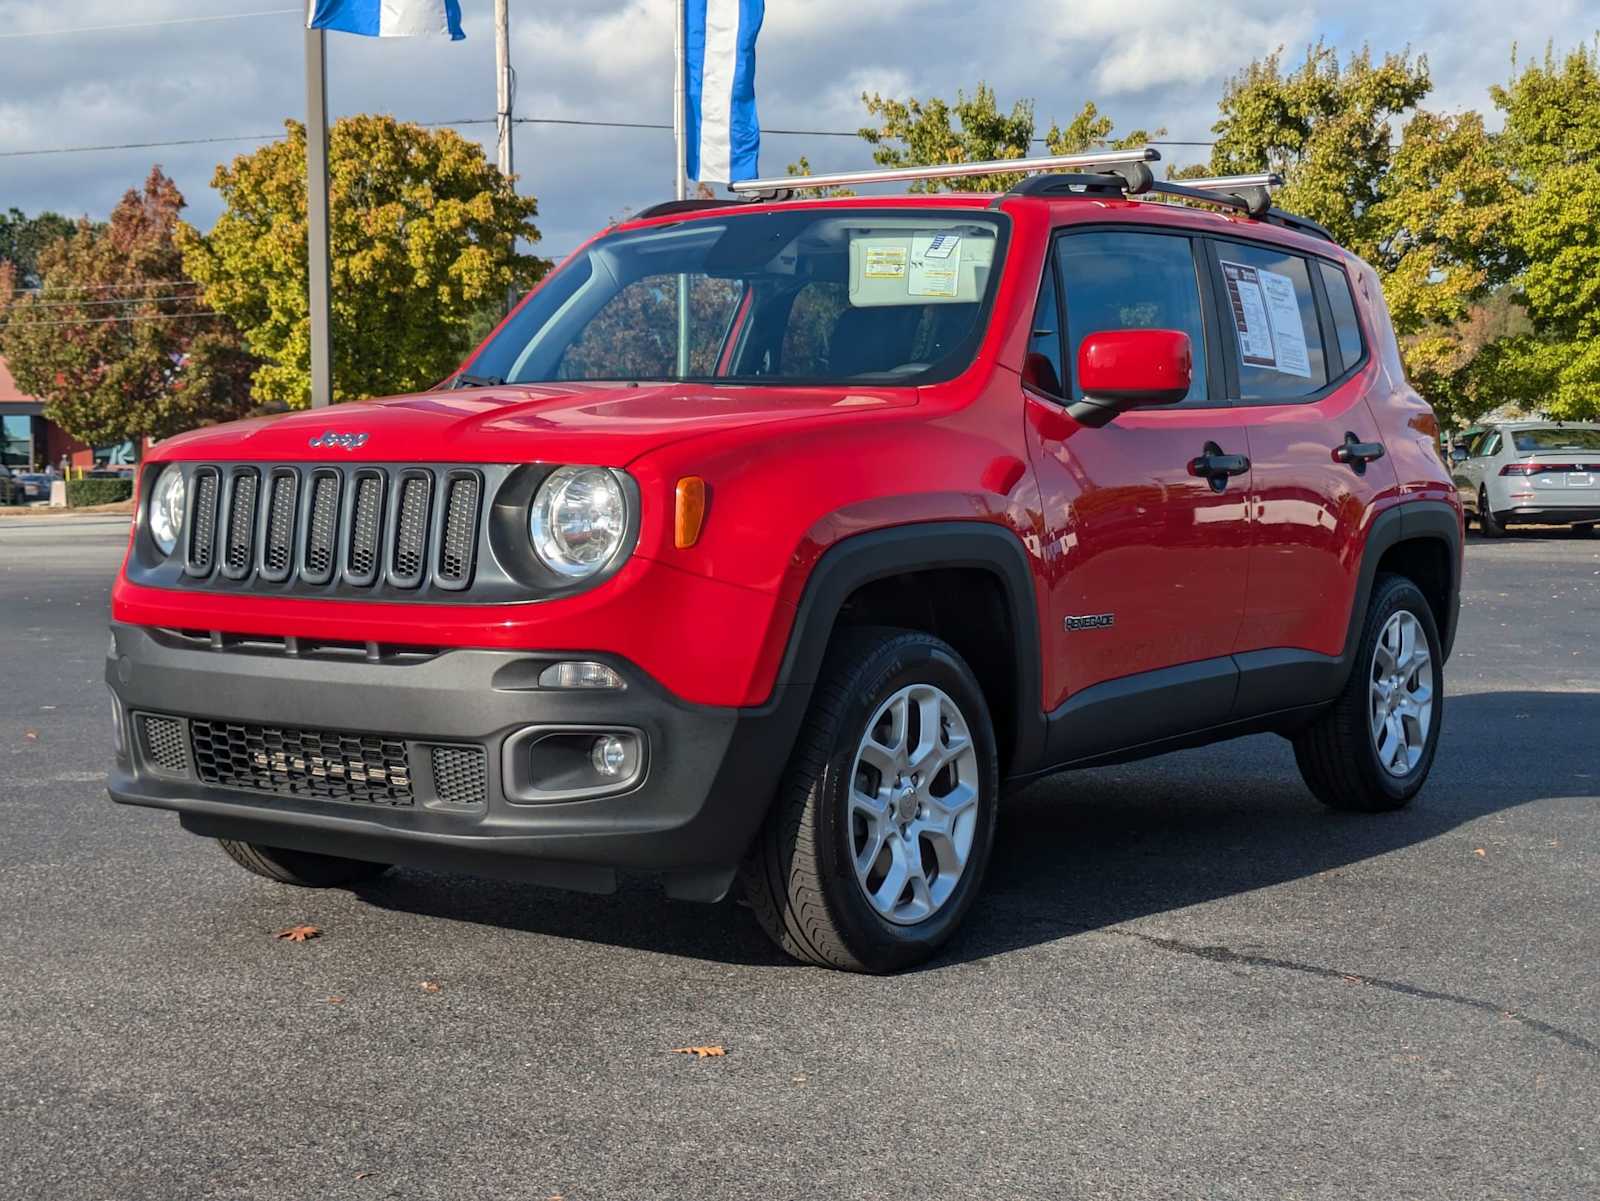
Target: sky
{"type": "Point", "coordinates": [1145, 62]}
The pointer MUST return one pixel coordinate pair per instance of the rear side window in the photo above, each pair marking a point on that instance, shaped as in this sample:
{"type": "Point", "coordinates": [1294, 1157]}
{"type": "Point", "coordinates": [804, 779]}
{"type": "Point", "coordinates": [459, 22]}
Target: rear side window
{"type": "Point", "coordinates": [1343, 306]}
{"type": "Point", "coordinates": [1556, 438]}
{"type": "Point", "coordinates": [1267, 295]}
{"type": "Point", "coordinates": [1131, 281]}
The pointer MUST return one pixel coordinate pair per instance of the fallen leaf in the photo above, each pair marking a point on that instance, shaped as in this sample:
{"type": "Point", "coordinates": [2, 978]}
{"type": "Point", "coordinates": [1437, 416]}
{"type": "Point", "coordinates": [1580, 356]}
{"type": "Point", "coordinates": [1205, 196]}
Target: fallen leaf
{"type": "Point", "coordinates": [30, 735]}
{"type": "Point", "coordinates": [362, 1175]}
{"type": "Point", "coordinates": [1481, 853]}
{"type": "Point", "coordinates": [335, 1000]}
{"type": "Point", "coordinates": [299, 933]}
{"type": "Point", "coordinates": [1352, 979]}
{"type": "Point", "coordinates": [429, 986]}
{"type": "Point", "coordinates": [702, 1052]}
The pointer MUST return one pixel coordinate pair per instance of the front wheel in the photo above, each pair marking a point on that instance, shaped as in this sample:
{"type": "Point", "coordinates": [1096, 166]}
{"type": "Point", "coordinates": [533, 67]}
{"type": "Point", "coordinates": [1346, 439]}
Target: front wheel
{"type": "Point", "coordinates": [876, 845]}
{"type": "Point", "coordinates": [1373, 749]}
{"type": "Point", "coordinates": [305, 868]}
{"type": "Point", "coordinates": [1491, 525]}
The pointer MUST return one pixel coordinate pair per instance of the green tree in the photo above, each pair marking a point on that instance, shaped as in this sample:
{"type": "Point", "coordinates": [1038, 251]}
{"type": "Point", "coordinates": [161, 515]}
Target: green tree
{"type": "Point", "coordinates": [916, 132]}
{"type": "Point", "coordinates": [423, 232]}
{"type": "Point", "coordinates": [1419, 195]}
{"type": "Point", "coordinates": [1550, 150]}
{"type": "Point", "coordinates": [24, 238]}
{"type": "Point", "coordinates": [115, 347]}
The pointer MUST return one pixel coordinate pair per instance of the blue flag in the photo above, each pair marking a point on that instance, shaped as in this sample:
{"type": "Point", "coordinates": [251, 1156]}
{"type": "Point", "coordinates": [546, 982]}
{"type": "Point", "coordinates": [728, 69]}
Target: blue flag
{"type": "Point", "coordinates": [722, 134]}
{"type": "Point", "coordinates": [389, 18]}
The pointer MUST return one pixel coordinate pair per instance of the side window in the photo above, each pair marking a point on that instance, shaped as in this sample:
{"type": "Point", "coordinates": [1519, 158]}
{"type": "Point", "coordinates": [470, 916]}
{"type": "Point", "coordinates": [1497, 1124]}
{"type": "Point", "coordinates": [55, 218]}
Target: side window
{"type": "Point", "coordinates": [1488, 447]}
{"type": "Point", "coordinates": [1274, 313]}
{"type": "Point", "coordinates": [813, 314]}
{"type": "Point", "coordinates": [1132, 281]}
{"type": "Point", "coordinates": [1042, 369]}
{"type": "Point", "coordinates": [1343, 305]}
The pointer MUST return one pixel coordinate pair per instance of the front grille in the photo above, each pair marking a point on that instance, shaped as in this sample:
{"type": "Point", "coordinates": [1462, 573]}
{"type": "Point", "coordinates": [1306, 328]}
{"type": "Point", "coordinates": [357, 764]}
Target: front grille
{"type": "Point", "coordinates": [411, 531]}
{"type": "Point", "coordinates": [322, 529]}
{"type": "Point", "coordinates": [278, 550]}
{"type": "Point", "coordinates": [203, 534]}
{"type": "Point", "coordinates": [366, 514]}
{"type": "Point", "coordinates": [460, 774]}
{"type": "Point", "coordinates": [460, 531]}
{"type": "Point", "coordinates": [240, 542]}
{"type": "Point", "coordinates": [163, 743]}
{"type": "Point", "coordinates": [325, 764]}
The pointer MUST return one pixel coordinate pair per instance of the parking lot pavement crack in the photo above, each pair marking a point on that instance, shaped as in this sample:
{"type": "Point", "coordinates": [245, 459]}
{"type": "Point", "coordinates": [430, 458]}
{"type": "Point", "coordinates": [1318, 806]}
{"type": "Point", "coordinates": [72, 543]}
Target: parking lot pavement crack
{"type": "Point", "coordinates": [1225, 955]}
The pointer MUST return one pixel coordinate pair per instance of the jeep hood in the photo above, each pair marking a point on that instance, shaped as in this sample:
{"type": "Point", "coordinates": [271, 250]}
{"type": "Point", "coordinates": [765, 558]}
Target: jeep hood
{"type": "Point", "coordinates": [607, 425]}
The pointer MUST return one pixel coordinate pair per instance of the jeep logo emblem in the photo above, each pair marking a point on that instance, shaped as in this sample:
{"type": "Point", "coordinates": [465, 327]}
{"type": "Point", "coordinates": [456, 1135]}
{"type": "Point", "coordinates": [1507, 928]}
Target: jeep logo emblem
{"type": "Point", "coordinates": [342, 441]}
{"type": "Point", "coordinates": [1091, 621]}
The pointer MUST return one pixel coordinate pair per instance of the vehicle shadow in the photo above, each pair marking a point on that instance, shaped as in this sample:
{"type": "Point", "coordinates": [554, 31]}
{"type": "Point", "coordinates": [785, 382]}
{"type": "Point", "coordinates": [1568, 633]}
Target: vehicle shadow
{"type": "Point", "coordinates": [1091, 849]}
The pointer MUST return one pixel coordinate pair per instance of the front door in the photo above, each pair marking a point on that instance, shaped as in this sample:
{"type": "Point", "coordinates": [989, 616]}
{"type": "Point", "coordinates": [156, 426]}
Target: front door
{"type": "Point", "coordinates": [1146, 555]}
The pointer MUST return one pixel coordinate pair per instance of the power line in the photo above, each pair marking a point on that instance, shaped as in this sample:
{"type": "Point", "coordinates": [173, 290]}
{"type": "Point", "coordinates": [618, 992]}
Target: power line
{"type": "Point", "coordinates": [123, 300]}
{"type": "Point", "coordinates": [50, 33]}
{"type": "Point", "coordinates": [25, 324]}
{"type": "Point", "coordinates": [144, 283]}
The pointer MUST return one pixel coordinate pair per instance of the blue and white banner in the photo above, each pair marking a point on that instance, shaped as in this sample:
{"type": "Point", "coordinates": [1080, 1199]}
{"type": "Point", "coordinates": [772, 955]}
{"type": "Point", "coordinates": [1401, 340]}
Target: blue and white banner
{"type": "Point", "coordinates": [388, 18]}
{"type": "Point", "coordinates": [721, 133]}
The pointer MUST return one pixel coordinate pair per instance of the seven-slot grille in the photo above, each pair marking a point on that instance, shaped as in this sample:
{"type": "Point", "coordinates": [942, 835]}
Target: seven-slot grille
{"type": "Point", "coordinates": [360, 527]}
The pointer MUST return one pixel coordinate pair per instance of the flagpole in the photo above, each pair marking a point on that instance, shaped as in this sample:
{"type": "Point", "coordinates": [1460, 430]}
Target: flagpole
{"type": "Point", "coordinates": [680, 97]}
{"type": "Point", "coordinates": [317, 216]}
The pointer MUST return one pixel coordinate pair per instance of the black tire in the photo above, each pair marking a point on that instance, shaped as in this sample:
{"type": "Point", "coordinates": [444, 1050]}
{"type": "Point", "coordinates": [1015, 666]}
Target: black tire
{"type": "Point", "coordinates": [303, 868]}
{"type": "Point", "coordinates": [1491, 525]}
{"type": "Point", "coordinates": [799, 876]}
{"type": "Point", "coordinates": [1336, 753]}
{"type": "Point", "coordinates": [1586, 528]}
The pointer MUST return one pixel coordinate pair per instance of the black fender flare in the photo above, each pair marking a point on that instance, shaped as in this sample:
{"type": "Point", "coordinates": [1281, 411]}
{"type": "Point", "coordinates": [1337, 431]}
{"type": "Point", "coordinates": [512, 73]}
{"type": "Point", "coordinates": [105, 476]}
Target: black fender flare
{"type": "Point", "coordinates": [923, 546]}
{"type": "Point", "coordinates": [1408, 522]}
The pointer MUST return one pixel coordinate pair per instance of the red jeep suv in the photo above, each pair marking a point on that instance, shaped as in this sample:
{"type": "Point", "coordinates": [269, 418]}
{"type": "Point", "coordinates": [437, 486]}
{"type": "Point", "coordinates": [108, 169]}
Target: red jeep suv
{"type": "Point", "coordinates": [770, 540]}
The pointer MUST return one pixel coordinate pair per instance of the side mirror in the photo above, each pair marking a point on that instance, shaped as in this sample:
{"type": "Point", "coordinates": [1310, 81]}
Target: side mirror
{"type": "Point", "coordinates": [1458, 454]}
{"type": "Point", "coordinates": [1120, 369]}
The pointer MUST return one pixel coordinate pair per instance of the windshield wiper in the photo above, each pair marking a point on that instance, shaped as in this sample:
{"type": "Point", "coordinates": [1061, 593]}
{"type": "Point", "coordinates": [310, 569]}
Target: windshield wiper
{"type": "Point", "coordinates": [467, 380]}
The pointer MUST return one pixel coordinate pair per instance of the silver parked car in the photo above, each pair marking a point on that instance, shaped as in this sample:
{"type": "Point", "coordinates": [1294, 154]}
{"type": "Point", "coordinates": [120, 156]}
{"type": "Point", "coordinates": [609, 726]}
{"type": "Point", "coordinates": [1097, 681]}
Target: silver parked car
{"type": "Point", "coordinates": [1540, 472]}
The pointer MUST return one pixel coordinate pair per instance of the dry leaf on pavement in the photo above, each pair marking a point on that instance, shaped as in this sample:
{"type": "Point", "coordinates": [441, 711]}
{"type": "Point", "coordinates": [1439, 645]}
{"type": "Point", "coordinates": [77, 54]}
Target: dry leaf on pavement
{"type": "Point", "coordinates": [299, 933]}
{"type": "Point", "coordinates": [702, 1052]}
{"type": "Point", "coordinates": [429, 986]}
{"type": "Point", "coordinates": [1480, 853]}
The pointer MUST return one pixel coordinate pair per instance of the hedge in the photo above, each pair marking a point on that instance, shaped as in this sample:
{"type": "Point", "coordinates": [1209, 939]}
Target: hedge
{"type": "Point", "coordinates": [82, 493]}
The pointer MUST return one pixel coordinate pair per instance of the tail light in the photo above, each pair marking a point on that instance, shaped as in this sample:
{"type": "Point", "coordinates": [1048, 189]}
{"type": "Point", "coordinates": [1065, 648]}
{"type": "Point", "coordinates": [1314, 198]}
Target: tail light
{"type": "Point", "coordinates": [1537, 468]}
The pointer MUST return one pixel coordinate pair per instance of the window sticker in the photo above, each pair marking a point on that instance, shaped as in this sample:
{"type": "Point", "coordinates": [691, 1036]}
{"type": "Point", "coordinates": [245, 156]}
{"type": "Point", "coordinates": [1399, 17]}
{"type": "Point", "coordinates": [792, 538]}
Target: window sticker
{"type": "Point", "coordinates": [935, 265]}
{"type": "Point", "coordinates": [884, 262]}
{"type": "Point", "coordinates": [1266, 317]}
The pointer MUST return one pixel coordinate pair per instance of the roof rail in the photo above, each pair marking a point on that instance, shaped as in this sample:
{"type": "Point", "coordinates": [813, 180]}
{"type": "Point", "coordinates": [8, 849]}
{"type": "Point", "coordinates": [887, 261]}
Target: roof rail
{"type": "Point", "coordinates": [1005, 166]}
{"type": "Point", "coordinates": [1304, 225]}
{"type": "Point", "coordinates": [693, 204]}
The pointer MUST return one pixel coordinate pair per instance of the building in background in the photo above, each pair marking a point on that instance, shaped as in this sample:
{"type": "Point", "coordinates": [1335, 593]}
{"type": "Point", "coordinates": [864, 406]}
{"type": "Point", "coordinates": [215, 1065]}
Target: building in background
{"type": "Point", "coordinates": [31, 442]}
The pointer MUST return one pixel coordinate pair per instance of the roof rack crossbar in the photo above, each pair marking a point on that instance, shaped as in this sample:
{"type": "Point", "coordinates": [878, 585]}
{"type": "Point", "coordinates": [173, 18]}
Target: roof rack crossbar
{"type": "Point", "coordinates": [1007, 166]}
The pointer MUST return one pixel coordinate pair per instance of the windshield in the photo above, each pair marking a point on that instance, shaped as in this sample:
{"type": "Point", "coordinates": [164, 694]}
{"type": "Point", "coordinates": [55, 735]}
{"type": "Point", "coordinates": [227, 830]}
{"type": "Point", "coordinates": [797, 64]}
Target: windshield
{"type": "Point", "coordinates": [1556, 438]}
{"type": "Point", "coordinates": [793, 297]}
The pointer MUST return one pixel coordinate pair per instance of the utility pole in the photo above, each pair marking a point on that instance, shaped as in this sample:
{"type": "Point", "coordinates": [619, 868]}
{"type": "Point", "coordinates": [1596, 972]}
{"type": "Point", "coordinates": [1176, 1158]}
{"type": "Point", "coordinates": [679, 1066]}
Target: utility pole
{"type": "Point", "coordinates": [317, 216]}
{"type": "Point", "coordinates": [504, 91]}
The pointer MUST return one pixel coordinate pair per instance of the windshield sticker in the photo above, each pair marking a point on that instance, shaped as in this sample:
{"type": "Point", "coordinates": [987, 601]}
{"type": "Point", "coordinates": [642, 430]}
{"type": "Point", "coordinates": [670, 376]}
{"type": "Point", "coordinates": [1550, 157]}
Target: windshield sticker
{"type": "Point", "coordinates": [1266, 316]}
{"type": "Point", "coordinates": [935, 274]}
{"type": "Point", "coordinates": [884, 262]}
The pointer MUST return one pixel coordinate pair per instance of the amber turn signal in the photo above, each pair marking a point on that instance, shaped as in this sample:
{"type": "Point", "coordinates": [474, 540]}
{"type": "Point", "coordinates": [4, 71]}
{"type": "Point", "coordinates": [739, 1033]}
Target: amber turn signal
{"type": "Point", "coordinates": [691, 512]}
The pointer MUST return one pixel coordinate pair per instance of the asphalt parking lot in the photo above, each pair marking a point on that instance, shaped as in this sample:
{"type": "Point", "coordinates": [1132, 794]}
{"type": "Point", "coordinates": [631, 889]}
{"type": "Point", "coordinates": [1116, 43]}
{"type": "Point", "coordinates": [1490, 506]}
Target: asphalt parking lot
{"type": "Point", "coordinates": [1186, 980]}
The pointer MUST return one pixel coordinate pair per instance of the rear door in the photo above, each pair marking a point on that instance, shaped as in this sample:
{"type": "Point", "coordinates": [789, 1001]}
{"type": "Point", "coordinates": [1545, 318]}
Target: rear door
{"type": "Point", "coordinates": [1147, 557]}
{"type": "Point", "coordinates": [1299, 364]}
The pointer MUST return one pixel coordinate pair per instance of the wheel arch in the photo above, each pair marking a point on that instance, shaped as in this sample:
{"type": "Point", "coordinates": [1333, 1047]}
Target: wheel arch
{"type": "Point", "coordinates": [926, 576]}
{"type": "Point", "coordinates": [1420, 540]}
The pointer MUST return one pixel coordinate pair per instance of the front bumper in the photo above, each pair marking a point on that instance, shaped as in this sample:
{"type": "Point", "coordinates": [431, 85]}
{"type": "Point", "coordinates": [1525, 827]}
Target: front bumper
{"type": "Point", "coordinates": [701, 793]}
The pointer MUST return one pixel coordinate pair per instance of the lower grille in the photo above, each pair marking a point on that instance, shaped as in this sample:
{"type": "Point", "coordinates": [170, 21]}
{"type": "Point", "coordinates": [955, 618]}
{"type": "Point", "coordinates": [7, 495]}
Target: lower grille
{"type": "Point", "coordinates": [163, 743]}
{"type": "Point", "coordinates": [324, 764]}
{"type": "Point", "coordinates": [460, 774]}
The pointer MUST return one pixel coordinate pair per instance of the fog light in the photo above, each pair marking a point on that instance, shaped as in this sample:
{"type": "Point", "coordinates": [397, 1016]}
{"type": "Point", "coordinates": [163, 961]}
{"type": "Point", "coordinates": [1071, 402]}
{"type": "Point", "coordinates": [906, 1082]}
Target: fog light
{"type": "Point", "coordinates": [609, 756]}
{"type": "Point", "coordinates": [579, 675]}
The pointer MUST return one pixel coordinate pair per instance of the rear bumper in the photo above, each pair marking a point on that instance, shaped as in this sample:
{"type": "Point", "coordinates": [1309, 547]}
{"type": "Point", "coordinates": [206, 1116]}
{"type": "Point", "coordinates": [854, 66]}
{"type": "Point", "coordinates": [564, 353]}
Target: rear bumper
{"type": "Point", "coordinates": [701, 792]}
{"type": "Point", "coordinates": [1552, 514]}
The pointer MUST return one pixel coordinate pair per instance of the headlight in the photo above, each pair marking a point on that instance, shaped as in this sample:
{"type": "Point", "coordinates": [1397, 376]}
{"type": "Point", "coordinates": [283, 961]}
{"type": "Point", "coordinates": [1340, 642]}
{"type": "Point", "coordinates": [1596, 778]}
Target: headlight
{"type": "Point", "coordinates": [166, 509]}
{"type": "Point", "coordinates": [578, 520]}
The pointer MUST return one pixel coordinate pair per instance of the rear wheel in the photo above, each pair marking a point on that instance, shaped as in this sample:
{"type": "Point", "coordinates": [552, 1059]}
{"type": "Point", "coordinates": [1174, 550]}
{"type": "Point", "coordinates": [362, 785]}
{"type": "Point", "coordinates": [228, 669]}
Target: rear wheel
{"type": "Point", "coordinates": [1491, 525]}
{"type": "Point", "coordinates": [1373, 749]}
{"type": "Point", "coordinates": [876, 845]}
{"type": "Point", "coordinates": [305, 868]}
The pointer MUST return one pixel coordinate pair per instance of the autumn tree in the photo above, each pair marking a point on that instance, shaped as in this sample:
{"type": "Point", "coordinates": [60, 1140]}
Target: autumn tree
{"type": "Point", "coordinates": [1419, 195]}
{"type": "Point", "coordinates": [24, 238]}
{"type": "Point", "coordinates": [1550, 151]}
{"type": "Point", "coordinates": [423, 234]}
{"type": "Point", "coordinates": [114, 340]}
{"type": "Point", "coordinates": [915, 132]}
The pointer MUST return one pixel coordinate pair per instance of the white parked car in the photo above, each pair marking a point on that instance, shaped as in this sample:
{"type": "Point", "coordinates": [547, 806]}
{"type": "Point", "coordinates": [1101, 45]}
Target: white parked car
{"type": "Point", "coordinates": [1539, 472]}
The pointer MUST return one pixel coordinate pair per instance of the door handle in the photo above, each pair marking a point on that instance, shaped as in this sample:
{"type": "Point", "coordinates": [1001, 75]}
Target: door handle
{"type": "Point", "coordinates": [1357, 453]}
{"type": "Point", "coordinates": [1217, 468]}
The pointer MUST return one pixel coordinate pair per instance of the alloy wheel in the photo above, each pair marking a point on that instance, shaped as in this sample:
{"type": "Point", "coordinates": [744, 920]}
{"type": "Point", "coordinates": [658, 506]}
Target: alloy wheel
{"type": "Point", "coordinates": [1401, 694]}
